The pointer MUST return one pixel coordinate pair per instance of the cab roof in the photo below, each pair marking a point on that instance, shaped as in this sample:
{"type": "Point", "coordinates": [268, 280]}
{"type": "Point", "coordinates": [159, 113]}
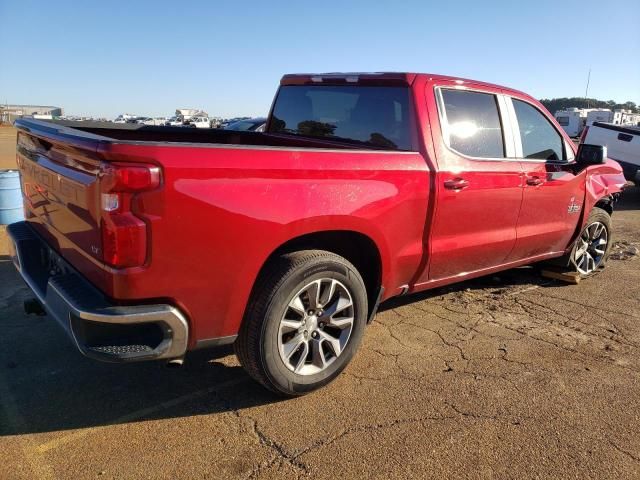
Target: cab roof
{"type": "Point", "coordinates": [378, 78]}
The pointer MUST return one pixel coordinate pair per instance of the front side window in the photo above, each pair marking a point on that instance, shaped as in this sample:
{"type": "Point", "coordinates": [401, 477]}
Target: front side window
{"type": "Point", "coordinates": [379, 117]}
{"type": "Point", "coordinates": [539, 139]}
{"type": "Point", "coordinates": [473, 123]}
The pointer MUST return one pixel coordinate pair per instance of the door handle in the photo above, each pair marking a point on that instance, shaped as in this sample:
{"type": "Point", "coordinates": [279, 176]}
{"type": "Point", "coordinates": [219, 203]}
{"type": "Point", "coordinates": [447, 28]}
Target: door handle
{"type": "Point", "coordinates": [624, 137]}
{"type": "Point", "coordinates": [534, 181]}
{"type": "Point", "coordinates": [456, 184]}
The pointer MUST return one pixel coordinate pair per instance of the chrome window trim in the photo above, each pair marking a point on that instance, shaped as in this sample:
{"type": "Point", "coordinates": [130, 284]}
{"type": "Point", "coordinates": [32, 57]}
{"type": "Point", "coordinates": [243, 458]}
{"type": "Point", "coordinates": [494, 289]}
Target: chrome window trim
{"type": "Point", "coordinates": [518, 139]}
{"type": "Point", "coordinates": [568, 152]}
{"type": "Point", "coordinates": [515, 127]}
{"type": "Point", "coordinates": [508, 139]}
{"type": "Point", "coordinates": [507, 128]}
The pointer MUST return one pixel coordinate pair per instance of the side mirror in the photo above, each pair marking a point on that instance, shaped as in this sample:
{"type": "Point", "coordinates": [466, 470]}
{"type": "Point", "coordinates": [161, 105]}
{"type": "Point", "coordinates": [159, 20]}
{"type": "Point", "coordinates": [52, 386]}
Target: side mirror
{"type": "Point", "coordinates": [591, 155]}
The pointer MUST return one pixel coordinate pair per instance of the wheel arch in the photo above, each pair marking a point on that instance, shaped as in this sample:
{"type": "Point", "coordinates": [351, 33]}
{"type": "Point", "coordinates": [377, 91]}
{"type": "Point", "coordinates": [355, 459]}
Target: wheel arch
{"type": "Point", "coordinates": [356, 247]}
{"type": "Point", "coordinates": [605, 203]}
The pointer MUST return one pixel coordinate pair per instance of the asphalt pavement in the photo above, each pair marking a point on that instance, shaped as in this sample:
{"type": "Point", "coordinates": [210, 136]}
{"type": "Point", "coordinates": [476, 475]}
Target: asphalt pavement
{"type": "Point", "coordinates": [509, 376]}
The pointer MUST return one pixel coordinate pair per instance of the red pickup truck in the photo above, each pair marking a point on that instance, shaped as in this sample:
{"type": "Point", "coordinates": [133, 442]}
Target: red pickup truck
{"type": "Point", "coordinates": [147, 242]}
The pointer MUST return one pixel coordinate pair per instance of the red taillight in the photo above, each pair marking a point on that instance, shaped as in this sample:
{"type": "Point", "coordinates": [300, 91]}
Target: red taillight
{"type": "Point", "coordinates": [118, 177]}
{"type": "Point", "coordinates": [583, 135]}
{"type": "Point", "coordinates": [124, 240]}
{"type": "Point", "coordinates": [124, 233]}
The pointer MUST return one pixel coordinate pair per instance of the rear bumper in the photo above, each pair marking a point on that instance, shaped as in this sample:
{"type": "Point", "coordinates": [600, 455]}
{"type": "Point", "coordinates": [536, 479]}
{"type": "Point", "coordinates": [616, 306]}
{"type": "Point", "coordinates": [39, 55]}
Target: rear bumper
{"type": "Point", "coordinates": [101, 330]}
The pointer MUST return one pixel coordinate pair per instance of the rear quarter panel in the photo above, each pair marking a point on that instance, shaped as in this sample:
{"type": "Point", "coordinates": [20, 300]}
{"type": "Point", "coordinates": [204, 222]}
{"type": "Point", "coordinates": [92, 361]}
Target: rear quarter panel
{"type": "Point", "coordinates": [222, 211]}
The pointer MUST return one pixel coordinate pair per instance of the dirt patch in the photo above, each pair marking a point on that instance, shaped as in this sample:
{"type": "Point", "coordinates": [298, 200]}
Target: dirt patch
{"type": "Point", "coordinates": [624, 250]}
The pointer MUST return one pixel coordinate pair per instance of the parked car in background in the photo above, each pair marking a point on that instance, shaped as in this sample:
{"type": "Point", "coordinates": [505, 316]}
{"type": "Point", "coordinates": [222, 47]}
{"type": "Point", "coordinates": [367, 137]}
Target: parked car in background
{"type": "Point", "coordinates": [364, 187]}
{"type": "Point", "coordinates": [622, 142]}
{"type": "Point", "coordinates": [124, 118]}
{"type": "Point", "coordinates": [225, 123]}
{"type": "Point", "coordinates": [145, 121]}
{"type": "Point", "coordinates": [199, 122]}
{"type": "Point", "coordinates": [175, 122]}
{"type": "Point", "coordinates": [249, 125]}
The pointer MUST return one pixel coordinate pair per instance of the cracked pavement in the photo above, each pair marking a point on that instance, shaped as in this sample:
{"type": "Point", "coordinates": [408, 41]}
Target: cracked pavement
{"type": "Point", "coordinates": [508, 376]}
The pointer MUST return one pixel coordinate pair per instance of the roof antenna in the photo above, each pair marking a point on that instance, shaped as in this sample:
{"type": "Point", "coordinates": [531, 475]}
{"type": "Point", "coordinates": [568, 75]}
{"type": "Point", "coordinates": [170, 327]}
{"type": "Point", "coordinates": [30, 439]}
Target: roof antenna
{"type": "Point", "coordinates": [586, 92]}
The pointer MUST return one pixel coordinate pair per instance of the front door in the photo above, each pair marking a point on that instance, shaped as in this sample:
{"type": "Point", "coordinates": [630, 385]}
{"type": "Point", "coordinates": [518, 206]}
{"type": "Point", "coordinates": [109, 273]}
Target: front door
{"type": "Point", "coordinates": [553, 194]}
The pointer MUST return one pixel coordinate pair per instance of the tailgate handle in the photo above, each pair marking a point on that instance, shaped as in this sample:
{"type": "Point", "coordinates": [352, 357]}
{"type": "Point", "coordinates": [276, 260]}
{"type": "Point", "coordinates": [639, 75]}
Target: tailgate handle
{"type": "Point", "coordinates": [456, 184]}
{"type": "Point", "coordinates": [625, 137]}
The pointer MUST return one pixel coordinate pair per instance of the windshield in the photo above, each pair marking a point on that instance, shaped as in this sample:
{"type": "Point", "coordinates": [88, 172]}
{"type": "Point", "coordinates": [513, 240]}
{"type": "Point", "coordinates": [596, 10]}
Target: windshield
{"type": "Point", "coordinates": [376, 116]}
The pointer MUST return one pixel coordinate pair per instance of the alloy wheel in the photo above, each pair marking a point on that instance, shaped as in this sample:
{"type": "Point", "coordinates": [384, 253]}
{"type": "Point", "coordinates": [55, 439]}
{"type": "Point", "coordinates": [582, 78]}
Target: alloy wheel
{"type": "Point", "coordinates": [591, 248]}
{"type": "Point", "coordinates": [316, 326]}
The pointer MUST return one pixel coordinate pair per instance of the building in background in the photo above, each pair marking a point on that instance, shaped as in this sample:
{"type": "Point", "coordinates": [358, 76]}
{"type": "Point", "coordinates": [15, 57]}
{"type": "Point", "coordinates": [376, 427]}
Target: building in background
{"type": "Point", "coordinates": [8, 113]}
{"type": "Point", "coordinates": [626, 117]}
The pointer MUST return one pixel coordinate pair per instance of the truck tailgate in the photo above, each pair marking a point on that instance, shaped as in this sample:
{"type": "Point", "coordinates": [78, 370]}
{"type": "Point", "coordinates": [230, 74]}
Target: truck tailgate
{"type": "Point", "coordinates": [59, 172]}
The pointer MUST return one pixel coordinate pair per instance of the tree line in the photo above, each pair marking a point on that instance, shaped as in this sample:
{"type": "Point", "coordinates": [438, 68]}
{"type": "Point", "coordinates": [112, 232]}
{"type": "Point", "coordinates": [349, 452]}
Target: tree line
{"type": "Point", "coordinates": [554, 104]}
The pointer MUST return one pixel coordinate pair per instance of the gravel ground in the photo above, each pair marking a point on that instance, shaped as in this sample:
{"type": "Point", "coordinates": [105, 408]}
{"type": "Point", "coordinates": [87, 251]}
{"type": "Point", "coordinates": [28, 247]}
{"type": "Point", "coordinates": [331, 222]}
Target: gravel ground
{"type": "Point", "coordinates": [509, 376]}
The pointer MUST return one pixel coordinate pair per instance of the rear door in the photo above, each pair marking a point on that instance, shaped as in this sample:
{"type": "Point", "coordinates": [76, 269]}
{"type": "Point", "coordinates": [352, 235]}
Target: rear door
{"type": "Point", "coordinates": [479, 189]}
{"type": "Point", "coordinates": [553, 194]}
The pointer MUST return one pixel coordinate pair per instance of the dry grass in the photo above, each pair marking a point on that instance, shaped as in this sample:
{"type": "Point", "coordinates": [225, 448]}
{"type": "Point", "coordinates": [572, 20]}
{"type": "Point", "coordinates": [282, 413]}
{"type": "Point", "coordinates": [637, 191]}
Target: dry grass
{"type": "Point", "coordinates": [7, 147]}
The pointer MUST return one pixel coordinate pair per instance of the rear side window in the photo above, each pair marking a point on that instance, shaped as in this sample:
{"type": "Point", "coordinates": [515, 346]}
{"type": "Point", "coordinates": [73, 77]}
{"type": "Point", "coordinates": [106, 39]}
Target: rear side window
{"type": "Point", "coordinates": [564, 121]}
{"type": "Point", "coordinates": [370, 116]}
{"type": "Point", "coordinates": [473, 123]}
{"type": "Point", "coordinates": [539, 139]}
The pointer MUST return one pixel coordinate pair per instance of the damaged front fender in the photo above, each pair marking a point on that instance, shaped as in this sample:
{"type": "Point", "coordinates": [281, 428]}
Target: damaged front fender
{"type": "Point", "coordinates": [604, 184]}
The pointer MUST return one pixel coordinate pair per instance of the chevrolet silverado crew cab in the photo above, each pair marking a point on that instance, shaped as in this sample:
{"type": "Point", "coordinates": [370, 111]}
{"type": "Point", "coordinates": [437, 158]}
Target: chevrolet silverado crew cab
{"type": "Point", "coordinates": [147, 242]}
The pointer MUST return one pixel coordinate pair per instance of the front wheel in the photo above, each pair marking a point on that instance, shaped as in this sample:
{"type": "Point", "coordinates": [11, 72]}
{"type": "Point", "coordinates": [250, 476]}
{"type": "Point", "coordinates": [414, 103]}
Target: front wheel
{"type": "Point", "coordinates": [592, 247]}
{"type": "Point", "coordinates": [304, 322]}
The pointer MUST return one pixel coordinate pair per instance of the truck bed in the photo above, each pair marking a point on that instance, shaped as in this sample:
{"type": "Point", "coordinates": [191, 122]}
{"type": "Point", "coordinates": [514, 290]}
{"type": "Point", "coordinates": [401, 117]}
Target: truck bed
{"type": "Point", "coordinates": [161, 134]}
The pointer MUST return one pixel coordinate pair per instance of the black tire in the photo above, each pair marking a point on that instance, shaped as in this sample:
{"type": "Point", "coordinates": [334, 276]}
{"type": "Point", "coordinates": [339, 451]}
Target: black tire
{"type": "Point", "coordinates": [597, 215]}
{"type": "Point", "coordinates": [257, 342]}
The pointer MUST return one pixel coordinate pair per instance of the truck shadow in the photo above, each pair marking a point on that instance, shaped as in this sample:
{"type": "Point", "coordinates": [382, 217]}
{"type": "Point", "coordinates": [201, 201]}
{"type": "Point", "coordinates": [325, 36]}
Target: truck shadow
{"type": "Point", "coordinates": [46, 385]}
{"type": "Point", "coordinates": [495, 284]}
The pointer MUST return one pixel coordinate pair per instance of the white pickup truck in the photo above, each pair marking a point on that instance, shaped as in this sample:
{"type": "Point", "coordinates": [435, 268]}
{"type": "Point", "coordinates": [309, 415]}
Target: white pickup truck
{"type": "Point", "coordinates": [622, 142]}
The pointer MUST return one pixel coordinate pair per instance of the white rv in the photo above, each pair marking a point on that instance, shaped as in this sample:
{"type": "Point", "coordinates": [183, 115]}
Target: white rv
{"type": "Point", "coordinates": [572, 120]}
{"type": "Point", "coordinates": [599, 115]}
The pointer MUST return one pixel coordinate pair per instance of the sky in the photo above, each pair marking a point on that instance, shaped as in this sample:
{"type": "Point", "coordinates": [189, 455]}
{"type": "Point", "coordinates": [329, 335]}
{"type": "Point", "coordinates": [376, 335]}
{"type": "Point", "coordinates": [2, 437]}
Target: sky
{"type": "Point", "coordinates": [103, 58]}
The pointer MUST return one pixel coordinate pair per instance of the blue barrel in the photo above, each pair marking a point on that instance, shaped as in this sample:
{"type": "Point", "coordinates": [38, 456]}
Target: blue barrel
{"type": "Point", "coordinates": [11, 209]}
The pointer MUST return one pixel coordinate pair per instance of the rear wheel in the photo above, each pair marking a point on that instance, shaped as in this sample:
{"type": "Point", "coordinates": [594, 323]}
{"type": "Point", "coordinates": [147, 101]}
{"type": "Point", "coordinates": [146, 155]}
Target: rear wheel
{"type": "Point", "coordinates": [304, 322]}
{"type": "Point", "coordinates": [592, 247]}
